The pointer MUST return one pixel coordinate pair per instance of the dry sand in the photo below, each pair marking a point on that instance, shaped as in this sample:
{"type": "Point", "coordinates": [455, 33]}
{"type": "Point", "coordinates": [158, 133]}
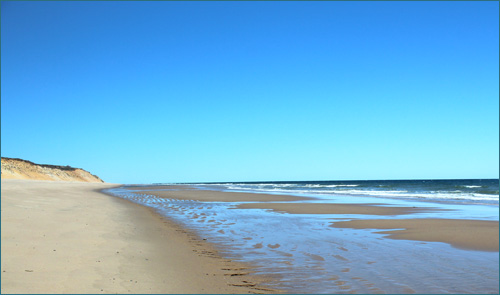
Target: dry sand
{"type": "Point", "coordinates": [66, 237]}
{"type": "Point", "coordinates": [13, 168]}
{"type": "Point", "coordinates": [464, 234]}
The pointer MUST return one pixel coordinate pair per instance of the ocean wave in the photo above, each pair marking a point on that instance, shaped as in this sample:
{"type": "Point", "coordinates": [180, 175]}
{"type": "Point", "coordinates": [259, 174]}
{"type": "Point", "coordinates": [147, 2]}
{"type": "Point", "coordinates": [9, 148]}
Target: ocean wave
{"type": "Point", "coordinates": [430, 195]}
{"type": "Point", "coordinates": [331, 185]}
{"type": "Point", "coordinates": [451, 195]}
{"type": "Point", "coordinates": [486, 192]}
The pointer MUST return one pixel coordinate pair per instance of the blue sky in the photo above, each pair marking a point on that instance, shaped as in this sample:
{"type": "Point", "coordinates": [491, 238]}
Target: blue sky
{"type": "Point", "coordinates": [142, 92]}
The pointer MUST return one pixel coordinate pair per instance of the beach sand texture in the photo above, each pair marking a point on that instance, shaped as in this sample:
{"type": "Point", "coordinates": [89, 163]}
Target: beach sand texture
{"type": "Point", "coordinates": [465, 234]}
{"type": "Point", "coordinates": [67, 237]}
{"type": "Point", "coordinates": [183, 193]}
{"type": "Point", "coordinates": [328, 208]}
{"type": "Point", "coordinates": [292, 239]}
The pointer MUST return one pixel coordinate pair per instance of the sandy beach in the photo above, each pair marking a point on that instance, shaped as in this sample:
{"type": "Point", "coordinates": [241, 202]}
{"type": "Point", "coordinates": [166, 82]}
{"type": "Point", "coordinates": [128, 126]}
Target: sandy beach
{"type": "Point", "coordinates": [467, 234]}
{"type": "Point", "coordinates": [310, 244]}
{"type": "Point", "coordinates": [67, 237]}
{"type": "Point", "coordinates": [327, 208]}
{"type": "Point", "coordinates": [250, 147]}
{"type": "Point", "coordinates": [184, 193]}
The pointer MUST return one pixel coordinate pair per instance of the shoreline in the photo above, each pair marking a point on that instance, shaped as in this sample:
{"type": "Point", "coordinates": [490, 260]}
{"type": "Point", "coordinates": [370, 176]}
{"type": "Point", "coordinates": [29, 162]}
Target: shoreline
{"type": "Point", "coordinates": [480, 235]}
{"type": "Point", "coordinates": [297, 242]}
{"type": "Point", "coordinates": [238, 276]}
{"type": "Point", "coordinates": [186, 241]}
{"type": "Point", "coordinates": [54, 232]}
{"type": "Point", "coordinates": [321, 245]}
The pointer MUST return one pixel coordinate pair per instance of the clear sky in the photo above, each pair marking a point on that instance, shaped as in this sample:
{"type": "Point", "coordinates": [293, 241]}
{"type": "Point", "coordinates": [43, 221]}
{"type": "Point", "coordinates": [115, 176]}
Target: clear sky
{"type": "Point", "coordinates": [144, 92]}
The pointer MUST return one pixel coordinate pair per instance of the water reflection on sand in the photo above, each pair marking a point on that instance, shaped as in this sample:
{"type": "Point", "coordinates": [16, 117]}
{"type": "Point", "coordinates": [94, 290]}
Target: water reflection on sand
{"type": "Point", "coordinates": [305, 255]}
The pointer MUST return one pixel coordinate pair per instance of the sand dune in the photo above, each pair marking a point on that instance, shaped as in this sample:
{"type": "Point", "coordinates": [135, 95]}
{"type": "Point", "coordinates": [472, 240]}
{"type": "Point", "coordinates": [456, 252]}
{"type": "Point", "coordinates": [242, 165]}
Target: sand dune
{"type": "Point", "coordinates": [22, 169]}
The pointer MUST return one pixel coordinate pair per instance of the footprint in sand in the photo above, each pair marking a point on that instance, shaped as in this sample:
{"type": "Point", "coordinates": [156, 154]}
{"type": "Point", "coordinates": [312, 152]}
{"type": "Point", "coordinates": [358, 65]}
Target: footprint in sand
{"type": "Point", "coordinates": [274, 246]}
{"type": "Point", "coordinates": [283, 253]}
{"type": "Point", "coordinates": [315, 257]}
{"type": "Point", "coordinates": [340, 257]}
{"type": "Point", "coordinates": [257, 246]}
{"type": "Point", "coordinates": [221, 231]}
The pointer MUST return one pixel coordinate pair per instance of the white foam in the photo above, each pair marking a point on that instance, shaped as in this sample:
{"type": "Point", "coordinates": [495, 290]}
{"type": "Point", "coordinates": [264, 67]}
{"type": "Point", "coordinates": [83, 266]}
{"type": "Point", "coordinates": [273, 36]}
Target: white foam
{"type": "Point", "coordinates": [331, 185]}
{"type": "Point", "coordinates": [352, 190]}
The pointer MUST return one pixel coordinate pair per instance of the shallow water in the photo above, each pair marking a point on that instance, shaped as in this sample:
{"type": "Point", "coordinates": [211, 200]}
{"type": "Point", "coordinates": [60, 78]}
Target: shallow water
{"type": "Point", "coordinates": [305, 255]}
{"type": "Point", "coordinates": [464, 191]}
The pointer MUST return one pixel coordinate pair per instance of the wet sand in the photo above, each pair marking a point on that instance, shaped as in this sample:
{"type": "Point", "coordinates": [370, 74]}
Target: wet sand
{"type": "Point", "coordinates": [215, 196]}
{"type": "Point", "coordinates": [463, 234]}
{"type": "Point", "coordinates": [328, 208]}
{"type": "Point", "coordinates": [67, 237]}
{"type": "Point", "coordinates": [293, 242]}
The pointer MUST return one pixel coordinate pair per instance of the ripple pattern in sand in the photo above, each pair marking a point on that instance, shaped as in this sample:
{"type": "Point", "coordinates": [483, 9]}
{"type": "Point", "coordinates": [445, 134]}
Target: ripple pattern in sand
{"type": "Point", "coordinates": [302, 254]}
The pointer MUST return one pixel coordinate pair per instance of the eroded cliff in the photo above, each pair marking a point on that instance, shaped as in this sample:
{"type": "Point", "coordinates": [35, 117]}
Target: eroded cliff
{"type": "Point", "coordinates": [13, 168]}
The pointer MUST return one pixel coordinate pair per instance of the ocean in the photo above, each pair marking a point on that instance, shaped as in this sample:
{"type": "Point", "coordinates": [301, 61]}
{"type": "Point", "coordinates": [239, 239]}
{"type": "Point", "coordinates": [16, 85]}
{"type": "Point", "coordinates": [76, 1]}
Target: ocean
{"type": "Point", "coordinates": [305, 254]}
{"type": "Point", "coordinates": [472, 191]}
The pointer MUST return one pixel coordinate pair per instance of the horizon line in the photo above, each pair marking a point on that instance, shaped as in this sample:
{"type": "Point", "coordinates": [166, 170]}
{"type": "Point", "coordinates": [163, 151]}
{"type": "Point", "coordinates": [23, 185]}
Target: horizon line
{"type": "Point", "coordinates": [351, 180]}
